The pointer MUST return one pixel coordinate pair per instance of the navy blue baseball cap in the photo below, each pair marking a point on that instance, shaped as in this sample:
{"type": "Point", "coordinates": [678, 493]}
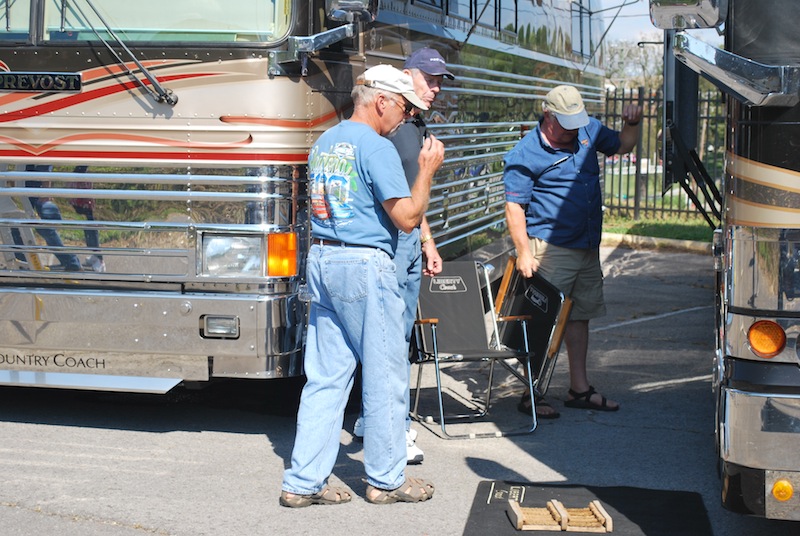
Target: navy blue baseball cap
{"type": "Point", "coordinates": [429, 62]}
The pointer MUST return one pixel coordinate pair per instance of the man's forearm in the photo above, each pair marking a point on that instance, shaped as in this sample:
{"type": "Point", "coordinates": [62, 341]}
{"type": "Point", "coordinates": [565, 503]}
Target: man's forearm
{"type": "Point", "coordinates": [407, 212]}
{"type": "Point", "coordinates": [420, 195]}
{"type": "Point", "coordinates": [517, 227]}
{"type": "Point", "coordinates": [425, 230]}
{"type": "Point", "coordinates": [628, 138]}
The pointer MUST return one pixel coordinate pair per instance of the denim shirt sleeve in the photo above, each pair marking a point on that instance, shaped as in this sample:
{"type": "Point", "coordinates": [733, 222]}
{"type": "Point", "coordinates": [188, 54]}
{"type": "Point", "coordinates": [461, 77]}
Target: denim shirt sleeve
{"type": "Point", "coordinates": [606, 140]}
{"type": "Point", "coordinates": [518, 173]}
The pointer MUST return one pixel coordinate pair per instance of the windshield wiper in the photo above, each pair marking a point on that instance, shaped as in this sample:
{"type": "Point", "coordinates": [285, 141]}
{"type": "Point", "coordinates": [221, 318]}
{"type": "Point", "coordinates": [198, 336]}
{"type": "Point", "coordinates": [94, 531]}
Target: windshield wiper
{"type": "Point", "coordinates": [156, 90]}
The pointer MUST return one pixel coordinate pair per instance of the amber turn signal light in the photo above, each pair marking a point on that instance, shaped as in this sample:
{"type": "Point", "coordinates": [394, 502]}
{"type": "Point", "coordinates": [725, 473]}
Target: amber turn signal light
{"type": "Point", "coordinates": [282, 254]}
{"type": "Point", "coordinates": [767, 339]}
{"type": "Point", "coordinates": [782, 490]}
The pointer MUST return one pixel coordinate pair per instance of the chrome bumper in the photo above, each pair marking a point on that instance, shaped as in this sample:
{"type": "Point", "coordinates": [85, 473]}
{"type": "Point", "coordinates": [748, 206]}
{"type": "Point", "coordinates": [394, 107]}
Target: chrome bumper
{"type": "Point", "coordinates": [113, 340]}
{"type": "Point", "coordinates": [761, 432]}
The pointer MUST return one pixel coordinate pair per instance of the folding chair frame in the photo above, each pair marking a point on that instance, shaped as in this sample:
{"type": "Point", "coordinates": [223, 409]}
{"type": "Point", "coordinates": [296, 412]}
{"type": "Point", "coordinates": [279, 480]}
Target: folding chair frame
{"type": "Point", "coordinates": [494, 351]}
{"type": "Point", "coordinates": [556, 323]}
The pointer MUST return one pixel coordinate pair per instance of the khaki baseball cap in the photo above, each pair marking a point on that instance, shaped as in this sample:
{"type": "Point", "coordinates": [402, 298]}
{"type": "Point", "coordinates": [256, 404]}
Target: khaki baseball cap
{"type": "Point", "coordinates": [393, 80]}
{"type": "Point", "coordinates": [566, 104]}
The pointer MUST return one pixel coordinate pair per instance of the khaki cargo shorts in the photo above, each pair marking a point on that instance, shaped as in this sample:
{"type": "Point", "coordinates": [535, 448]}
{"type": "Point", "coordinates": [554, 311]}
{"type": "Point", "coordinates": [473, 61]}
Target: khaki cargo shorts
{"type": "Point", "coordinates": [576, 273]}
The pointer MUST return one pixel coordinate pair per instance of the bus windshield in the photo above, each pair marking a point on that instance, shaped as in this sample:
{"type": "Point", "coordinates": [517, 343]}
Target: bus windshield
{"type": "Point", "coordinates": [15, 18]}
{"type": "Point", "coordinates": [156, 21]}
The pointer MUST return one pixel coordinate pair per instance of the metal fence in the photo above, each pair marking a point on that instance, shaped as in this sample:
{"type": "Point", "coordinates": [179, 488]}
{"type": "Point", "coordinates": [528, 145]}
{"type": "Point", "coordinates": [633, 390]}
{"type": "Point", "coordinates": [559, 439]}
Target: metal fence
{"type": "Point", "coordinates": [634, 185]}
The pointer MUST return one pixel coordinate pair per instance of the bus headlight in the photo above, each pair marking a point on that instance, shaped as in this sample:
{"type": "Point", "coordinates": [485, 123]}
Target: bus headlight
{"type": "Point", "coordinates": [232, 255]}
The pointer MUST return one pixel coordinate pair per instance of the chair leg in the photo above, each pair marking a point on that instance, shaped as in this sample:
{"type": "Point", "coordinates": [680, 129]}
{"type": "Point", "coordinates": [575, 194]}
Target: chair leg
{"type": "Point", "coordinates": [415, 409]}
{"type": "Point", "coordinates": [532, 393]}
{"type": "Point", "coordinates": [439, 395]}
{"type": "Point", "coordinates": [488, 390]}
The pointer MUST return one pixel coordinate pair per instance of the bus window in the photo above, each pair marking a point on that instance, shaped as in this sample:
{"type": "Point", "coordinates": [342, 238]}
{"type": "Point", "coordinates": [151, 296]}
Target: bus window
{"type": "Point", "coordinates": [433, 3]}
{"type": "Point", "coordinates": [207, 21]}
{"type": "Point", "coordinates": [508, 15]}
{"type": "Point", "coordinates": [582, 28]}
{"type": "Point", "coordinates": [485, 11]}
{"type": "Point", "coordinates": [15, 19]}
{"type": "Point", "coordinates": [460, 8]}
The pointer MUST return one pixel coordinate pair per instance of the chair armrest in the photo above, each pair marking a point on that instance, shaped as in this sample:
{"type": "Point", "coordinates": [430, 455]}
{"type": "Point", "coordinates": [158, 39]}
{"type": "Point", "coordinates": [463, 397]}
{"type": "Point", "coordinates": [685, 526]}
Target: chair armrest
{"type": "Point", "coordinates": [514, 318]}
{"type": "Point", "coordinates": [423, 321]}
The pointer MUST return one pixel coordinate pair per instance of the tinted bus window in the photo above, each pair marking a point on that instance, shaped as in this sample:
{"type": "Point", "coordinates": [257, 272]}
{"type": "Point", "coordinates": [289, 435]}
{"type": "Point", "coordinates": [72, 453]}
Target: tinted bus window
{"type": "Point", "coordinates": [15, 20]}
{"type": "Point", "coordinates": [485, 12]}
{"type": "Point", "coordinates": [508, 15]}
{"type": "Point", "coordinates": [211, 21]}
{"type": "Point", "coordinates": [434, 3]}
{"type": "Point", "coordinates": [459, 8]}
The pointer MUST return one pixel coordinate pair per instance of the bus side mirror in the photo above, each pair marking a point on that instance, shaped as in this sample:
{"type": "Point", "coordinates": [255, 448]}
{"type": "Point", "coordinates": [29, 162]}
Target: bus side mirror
{"type": "Point", "coordinates": [352, 10]}
{"type": "Point", "coordinates": [688, 14]}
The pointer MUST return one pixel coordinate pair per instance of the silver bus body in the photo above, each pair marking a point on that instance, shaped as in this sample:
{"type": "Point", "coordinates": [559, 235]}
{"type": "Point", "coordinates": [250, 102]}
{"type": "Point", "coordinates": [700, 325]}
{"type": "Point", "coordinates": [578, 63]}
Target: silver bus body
{"type": "Point", "coordinates": [194, 121]}
{"type": "Point", "coordinates": [757, 248]}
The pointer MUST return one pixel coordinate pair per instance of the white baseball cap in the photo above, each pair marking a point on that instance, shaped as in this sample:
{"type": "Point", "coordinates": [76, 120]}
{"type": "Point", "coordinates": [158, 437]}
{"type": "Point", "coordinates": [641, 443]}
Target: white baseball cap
{"type": "Point", "coordinates": [393, 80]}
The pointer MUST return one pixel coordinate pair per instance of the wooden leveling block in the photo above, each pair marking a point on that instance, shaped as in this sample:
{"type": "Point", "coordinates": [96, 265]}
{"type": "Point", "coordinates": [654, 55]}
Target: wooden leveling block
{"type": "Point", "coordinates": [556, 517]}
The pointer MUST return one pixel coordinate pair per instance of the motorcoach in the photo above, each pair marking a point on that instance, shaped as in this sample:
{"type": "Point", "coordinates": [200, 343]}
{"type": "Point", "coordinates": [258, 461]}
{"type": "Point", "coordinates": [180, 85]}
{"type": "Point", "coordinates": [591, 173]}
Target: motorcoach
{"type": "Point", "coordinates": [185, 128]}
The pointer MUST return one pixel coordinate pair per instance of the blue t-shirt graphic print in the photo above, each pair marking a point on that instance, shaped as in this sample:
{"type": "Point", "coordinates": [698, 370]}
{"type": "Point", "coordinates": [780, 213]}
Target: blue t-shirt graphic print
{"type": "Point", "coordinates": [331, 178]}
{"type": "Point", "coordinates": [352, 171]}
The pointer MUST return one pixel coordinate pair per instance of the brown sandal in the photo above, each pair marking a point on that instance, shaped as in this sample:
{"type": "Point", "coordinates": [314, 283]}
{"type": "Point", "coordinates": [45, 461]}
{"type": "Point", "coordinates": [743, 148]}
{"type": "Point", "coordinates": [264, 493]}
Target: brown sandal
{"type": "Point", "coordinates": [327, 495]}
{"type": "Point", "coordinates": [412, 490]}
{"type": "Point", "coordinates": [543, 409]}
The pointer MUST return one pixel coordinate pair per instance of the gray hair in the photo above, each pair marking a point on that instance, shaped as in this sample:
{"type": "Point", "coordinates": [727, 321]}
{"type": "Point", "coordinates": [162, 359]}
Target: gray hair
{"type": "Point", "coordinates": [362, 94]}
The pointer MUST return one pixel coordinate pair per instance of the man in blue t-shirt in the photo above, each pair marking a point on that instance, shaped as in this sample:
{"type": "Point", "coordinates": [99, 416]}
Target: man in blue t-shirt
{"type": "Point", "coordinates": [554, 215]}
{"type": "Point", "coordinates": [360, 199]}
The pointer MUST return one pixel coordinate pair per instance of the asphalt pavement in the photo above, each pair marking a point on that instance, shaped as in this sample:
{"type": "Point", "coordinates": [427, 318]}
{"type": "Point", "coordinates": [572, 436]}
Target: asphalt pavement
{"type": "Point", "coordinates": [210, 462]}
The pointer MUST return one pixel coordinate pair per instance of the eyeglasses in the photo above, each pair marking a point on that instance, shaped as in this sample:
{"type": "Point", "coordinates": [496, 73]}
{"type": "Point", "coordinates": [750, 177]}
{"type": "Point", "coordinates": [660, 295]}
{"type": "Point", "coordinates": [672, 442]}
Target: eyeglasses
{"type": "Point", "coordinates": [407, 107]}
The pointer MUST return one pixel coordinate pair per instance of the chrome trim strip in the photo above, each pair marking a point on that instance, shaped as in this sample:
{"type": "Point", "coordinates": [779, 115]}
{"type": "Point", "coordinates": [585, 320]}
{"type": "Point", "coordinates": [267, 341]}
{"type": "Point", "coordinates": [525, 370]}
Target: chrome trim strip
{"type": "Point", "coordinates": [749, 81]}
{"type": "Point", "coordinates": [91, 382]}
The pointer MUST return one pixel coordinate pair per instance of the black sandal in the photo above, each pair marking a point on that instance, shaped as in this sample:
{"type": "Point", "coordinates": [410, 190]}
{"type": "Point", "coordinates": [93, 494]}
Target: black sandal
{"type": "Point", "coordinates": [524, 406]}
{"type": "Point", "coordinates": [584, 401]}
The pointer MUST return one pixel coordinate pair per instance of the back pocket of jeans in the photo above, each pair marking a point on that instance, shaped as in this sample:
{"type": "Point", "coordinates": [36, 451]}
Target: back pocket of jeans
{"type": "Point", "coordinates": [345, 279]}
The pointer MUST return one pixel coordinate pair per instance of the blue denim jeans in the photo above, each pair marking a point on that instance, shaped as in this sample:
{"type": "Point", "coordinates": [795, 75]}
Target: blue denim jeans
{"type": "Point", "coordinates": [48, 210]}
{"type": "Point", "coordinates": [92, 236]}
{"type": "Point", "coordinates": [355, 316]}
{"type": "Point", "coordinates": [408, 261]}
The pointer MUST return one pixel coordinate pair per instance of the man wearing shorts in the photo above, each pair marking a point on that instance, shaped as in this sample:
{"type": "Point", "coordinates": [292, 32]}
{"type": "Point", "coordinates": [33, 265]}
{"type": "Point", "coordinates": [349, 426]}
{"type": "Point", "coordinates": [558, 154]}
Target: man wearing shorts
{"type": "Point", "coordinates": [554, 216]}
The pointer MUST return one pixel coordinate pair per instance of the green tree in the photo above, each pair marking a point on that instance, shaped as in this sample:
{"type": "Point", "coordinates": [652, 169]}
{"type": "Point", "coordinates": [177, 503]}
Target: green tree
{"type": "Point", "coordinates": [631, 64]}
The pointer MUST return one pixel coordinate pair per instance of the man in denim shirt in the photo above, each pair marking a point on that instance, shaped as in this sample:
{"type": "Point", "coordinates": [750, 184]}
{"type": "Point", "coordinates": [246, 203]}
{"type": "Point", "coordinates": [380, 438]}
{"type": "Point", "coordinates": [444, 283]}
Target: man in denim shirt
{"type": "Point", "coordinates": [554, 216]}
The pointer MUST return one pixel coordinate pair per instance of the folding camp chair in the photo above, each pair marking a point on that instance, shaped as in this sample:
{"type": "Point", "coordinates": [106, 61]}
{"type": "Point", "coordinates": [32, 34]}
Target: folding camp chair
{"type": "Point", "coordinates": [456, 323]}
{"type": "Point", "coordinates": [549, 309]}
